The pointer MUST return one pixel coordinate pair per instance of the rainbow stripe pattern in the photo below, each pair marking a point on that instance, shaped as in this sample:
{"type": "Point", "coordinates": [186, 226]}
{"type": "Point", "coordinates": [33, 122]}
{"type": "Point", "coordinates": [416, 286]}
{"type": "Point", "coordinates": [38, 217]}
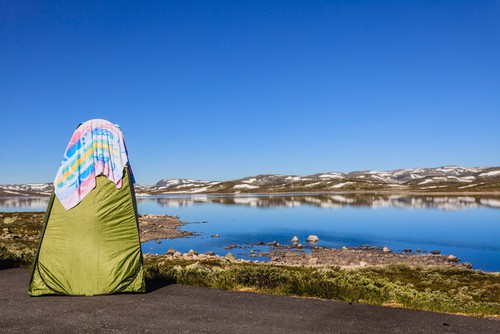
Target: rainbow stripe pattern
{"type": "Point", "coordinates": [97, 147]}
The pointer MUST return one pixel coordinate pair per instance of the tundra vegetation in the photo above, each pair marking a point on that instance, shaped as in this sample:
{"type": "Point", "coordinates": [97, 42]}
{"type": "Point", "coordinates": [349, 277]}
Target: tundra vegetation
{"type": "Point", "coordinates": [438, 289]}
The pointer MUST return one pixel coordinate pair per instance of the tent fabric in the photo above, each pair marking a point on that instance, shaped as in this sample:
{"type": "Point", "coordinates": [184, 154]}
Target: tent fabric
{"type": "Point", "coordinates": [97, 147]}
{"type": "Point", "coordinates": [93, 248]}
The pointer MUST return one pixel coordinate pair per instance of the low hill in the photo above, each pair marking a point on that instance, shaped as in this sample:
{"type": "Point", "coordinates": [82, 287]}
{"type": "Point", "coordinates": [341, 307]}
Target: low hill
{"type": "Point", "coordinates": [441, 179]}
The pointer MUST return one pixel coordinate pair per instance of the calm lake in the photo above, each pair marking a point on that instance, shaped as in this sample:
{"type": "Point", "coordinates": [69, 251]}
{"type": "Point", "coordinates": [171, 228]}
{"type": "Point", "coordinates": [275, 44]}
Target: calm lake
{"type": "Point", "coordinates": [465, 226]}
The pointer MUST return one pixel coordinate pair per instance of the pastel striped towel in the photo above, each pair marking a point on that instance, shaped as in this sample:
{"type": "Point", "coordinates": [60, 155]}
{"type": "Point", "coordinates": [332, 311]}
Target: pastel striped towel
{"type": "Point", "coordinates": [96, 148]}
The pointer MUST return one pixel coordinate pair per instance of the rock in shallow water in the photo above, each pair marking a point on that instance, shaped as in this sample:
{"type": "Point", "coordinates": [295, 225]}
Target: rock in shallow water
{"type": "Point", "coordinates": [467, 265]}
{"type": "Point", "coordinates": [312, 238]}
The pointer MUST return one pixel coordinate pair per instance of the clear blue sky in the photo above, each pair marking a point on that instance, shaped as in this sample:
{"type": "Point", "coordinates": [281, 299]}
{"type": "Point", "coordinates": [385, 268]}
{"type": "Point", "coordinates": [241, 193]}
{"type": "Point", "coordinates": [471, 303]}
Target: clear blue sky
{"type": "Point", "coordinates": [225, 89]}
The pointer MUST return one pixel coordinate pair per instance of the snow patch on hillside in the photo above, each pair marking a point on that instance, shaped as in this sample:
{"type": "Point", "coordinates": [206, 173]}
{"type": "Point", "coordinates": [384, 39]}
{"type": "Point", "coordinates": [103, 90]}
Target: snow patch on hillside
{"type": "Point", "coordinates": [492, 173]}
{"type": "Point", "coordinates": [244, 186]}
{"type": "Point", "coordinates": [340, 185]}
{"type": "Point", "coordinates": [331, 176]}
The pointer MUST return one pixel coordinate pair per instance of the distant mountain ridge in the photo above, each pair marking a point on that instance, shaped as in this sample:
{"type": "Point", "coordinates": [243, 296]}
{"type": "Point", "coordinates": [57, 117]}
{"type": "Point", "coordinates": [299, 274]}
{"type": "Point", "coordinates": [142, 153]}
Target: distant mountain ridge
{"type": "Point", "coordinates": [440, 179]}
{"type": "Point", "coordinates": [446, 178]}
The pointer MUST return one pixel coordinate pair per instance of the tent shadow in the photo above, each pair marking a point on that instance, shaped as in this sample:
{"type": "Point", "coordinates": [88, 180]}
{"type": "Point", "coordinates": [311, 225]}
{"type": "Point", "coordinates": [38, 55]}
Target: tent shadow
{"type": "Point", "coordinates": [153, 284]}
{"type": "Point", "coordinates": [9, 264]}
{"type": "Point", "coordinates": [4, 268]}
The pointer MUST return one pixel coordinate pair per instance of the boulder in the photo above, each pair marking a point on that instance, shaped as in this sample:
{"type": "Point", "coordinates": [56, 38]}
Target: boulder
{"type": "Point", "coordinates": [8, 220]}
{"type": "Point", "coordinates": [386, 250]}
{"type": "Point", "coordinates": [312, 238]}
{"type": "Point", "coordinates": [435, 252]}
{"type": "Point", "coordinates": [453, 258]}
{"type": "Point", "coordinates": [312, 261]}
{"type": "Point", "coordinates": [192, 252]}
{"type": "Point", "coordinates": [467, 265]}
{"type": "Point", "coordinates": [210, 253]}
{"type": "Point", "coordinates": [170, 251]}
{"type": "Point", "coordinates": [230, 257]}
{"type": "Point", "coordinates": [295, 240]}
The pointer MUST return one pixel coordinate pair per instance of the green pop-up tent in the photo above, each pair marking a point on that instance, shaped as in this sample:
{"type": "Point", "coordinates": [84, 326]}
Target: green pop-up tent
{"type": "Point", "coordinates": [91, 247]}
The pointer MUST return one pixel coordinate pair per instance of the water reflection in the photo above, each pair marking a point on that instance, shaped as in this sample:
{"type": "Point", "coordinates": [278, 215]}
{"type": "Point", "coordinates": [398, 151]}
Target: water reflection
{"type": "Point", "coordinates": [274, 201]}
{"type": "Point", "coordinates": [333, 201]}
{"type": "Point", "coordinates": [24, 203]}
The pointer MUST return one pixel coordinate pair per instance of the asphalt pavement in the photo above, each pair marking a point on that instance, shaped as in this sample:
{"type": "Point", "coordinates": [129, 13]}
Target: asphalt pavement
{"type": "Point", "coordinates": [186, 309]}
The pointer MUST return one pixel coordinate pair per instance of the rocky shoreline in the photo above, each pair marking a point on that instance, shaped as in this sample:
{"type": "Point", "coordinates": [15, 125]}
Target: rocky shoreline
{"type": "Point", "coordinates": [360, 257]}
{"type": "Point", "coordinates": [25, 228]}
{"type": "Point", "coordinates": [21, 230]}
{"type": "Point", "coordinates": [154, 227]}
{"type": "Point", "coordinates": [323, 257]}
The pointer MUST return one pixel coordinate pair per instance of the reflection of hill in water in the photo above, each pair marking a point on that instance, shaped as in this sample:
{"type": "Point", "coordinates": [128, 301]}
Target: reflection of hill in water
{"type": "Point", "coordinates": [24, 202]}
{"type": "Point", "coordinates": [338, 201]}
{"type": "Point", "coordinates": [274, 201]}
